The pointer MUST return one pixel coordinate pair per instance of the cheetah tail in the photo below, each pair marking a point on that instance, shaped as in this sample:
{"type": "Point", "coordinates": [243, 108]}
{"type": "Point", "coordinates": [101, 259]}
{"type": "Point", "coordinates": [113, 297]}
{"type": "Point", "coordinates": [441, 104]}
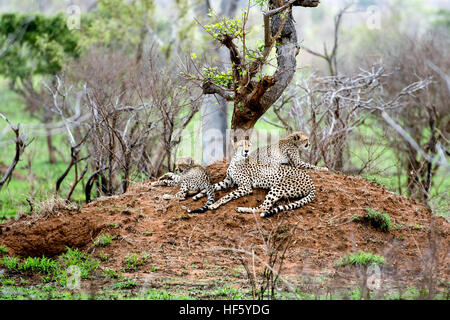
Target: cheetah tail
{"type": "Point", "coordinates": [210, 201]}
{"type": "Point", "coordinates": [291, 206]}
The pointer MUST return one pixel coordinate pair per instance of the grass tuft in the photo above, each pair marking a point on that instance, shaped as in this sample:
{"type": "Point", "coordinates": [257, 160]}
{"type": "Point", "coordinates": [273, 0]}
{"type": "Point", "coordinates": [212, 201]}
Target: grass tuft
{"type": "Point", "coordinates": [103, 240]}
{"type": "Point", "coordinates": [361, 258]}
{"type": "Point", "coordinates": [376, 219]}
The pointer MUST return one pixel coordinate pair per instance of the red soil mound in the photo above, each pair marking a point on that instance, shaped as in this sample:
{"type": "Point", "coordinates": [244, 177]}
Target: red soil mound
{"type": "Point", "coordinates": [172, 239]}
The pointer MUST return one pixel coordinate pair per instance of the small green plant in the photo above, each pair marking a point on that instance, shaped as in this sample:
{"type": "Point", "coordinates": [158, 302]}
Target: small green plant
{"type": "Point", "coordinates": [103, 240]}
{"type": "Point", "coordinates": [110, 273]}
{"type": "Point", "coordinates": [11, 263]}
{"type": "Point", "coordinates": [44, 265]}
{"type": "Point", "coordinates": [361, 258]}
{"type": "Point", "coordinates": [398, 226]}
{"type": "Point", "coordinates": [378, 219]}
{"type": "Point", "coordinates": [128, 284]}
{"type": "Point", "coordinates": [3, 250]}
{"type": "Point", "coordinates": [133, 261]}
{"type": "Point", "coordinates": [8, 282]}
{"type": "Point", "coordinates": [82, 260]}
{"type": "Point", "coordinates": [103, 256]}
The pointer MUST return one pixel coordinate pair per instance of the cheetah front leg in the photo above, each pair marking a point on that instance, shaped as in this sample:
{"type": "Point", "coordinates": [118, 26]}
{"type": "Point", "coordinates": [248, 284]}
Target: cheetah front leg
{"type": "Point", "coordinates": [294, 156]}
{"type": "Point", "coordinates": [236, 194]}
{"type": "Point", "coordinates": [227, 183]}
{"type": "Point", "coordinates": [181, 195]}
{"type": "Point", "coordinates": [271, 198]}
{"type": "Point", "coordinates": [167, 176]}
{"type": "Point", "coordinates": [164, 181]}
{"type": "Point", "coordinates": [308, 166]}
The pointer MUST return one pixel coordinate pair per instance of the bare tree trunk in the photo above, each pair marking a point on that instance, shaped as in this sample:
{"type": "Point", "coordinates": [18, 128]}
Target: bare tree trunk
{"type": "Point", "coordinates": [51, 148]}
{"type": "Point", "coordinates": [214, 128]}
{"type": "Point", "coordinates": [214, 108]}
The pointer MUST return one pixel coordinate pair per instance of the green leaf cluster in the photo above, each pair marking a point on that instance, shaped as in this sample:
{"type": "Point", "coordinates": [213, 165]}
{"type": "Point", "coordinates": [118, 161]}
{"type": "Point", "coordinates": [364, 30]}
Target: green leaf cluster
{"type": "Point", "coordinates": [221, 78]}
{"type": "Point", "coordinates": [225, 28]}
{"type": "Point", "coordinates": [34, 45]}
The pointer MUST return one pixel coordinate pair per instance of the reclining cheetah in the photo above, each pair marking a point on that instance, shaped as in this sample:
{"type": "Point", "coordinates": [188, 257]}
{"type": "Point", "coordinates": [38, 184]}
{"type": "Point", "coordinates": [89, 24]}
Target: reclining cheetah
{"type": "Point", "coordinates": [282, 181]}
{"type": "Point", "coordinates": [192, 179]}
{"type": "Point", "coordinates": [285, 151]}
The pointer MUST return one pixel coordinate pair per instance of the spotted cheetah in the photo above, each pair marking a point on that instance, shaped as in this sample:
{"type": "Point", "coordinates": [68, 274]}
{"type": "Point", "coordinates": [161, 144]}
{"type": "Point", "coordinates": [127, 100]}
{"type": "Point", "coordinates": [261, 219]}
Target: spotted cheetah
{"type": "Point", "coordinates": [285, 151]}
{"type": "Point", "coordinates": [192, 178]}
{"type": "Point", "coordinates": [282, 181]}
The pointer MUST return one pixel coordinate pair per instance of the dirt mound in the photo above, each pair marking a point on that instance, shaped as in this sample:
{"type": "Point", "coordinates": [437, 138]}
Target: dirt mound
{"type": "Point", "coordinates": [49, 235]}
{"type": "Point", "coordinates": [174, 241]}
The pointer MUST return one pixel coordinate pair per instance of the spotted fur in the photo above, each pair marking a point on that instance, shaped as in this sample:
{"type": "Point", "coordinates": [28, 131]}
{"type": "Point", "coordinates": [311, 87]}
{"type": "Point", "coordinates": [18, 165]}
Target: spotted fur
{"type": "Point", "coordinates": [282, 181]}
{"type": "Point", "coordinates": [192, 178]}
{"type": "Point", "coordinates": [285, 151]}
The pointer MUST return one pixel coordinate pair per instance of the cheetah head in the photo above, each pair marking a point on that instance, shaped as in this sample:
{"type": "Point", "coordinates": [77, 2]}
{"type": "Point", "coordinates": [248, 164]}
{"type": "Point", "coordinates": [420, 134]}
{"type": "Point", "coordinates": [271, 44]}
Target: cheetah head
{"type": "Point", "coordinates": [299, 138]}
{"type": "Point", "coordinates": [242, 149]}
{"type": "Point", "coordinates": [184, 163]}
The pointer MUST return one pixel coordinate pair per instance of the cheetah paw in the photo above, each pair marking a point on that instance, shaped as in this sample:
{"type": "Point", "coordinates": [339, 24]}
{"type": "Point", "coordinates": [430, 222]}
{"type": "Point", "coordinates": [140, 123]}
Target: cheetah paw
{"type": "Point", "coordinates": [167, 196]}
{"type": "Point", "coordinates": [214, 206]}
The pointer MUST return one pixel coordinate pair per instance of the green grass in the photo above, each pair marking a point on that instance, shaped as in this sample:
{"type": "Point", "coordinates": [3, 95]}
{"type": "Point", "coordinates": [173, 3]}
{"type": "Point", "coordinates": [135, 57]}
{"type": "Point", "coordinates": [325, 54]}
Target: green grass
{"type": "Point", "coordinates": [39, 292]}
{"type": "Point", "coordinates": [112, 274]}
{"type": "Point", "coordinates": [103, 240]}
{"type": "Point", "coordinates": [43, 265]}
{"type": "Point", "coordinates": [133, 261]}
{"type": "Point", "coordinates": [40, 185]}
{"type": "Point", "coordinates": [10, 263]}
{"type": "Point", "coordinates": [362, 259]}
{"type": "Point", "coordinates": [54, 269]}
{"type": "Point", "coordinates": [379, 219]}
{"type": "Point", "coordinates": [127, 284]}
{"type": "Point", "coordinates": [3, 250]}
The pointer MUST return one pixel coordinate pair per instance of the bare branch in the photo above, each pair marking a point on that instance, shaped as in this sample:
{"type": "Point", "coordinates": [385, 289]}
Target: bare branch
{"type": "Point", "coordinates": [20, 147]}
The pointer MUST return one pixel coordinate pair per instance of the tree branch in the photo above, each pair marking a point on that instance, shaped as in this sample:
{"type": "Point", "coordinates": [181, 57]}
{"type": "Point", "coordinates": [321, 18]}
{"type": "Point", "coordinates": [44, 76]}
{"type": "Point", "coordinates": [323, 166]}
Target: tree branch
{"type": "Point", "coordinates": [211, 88]}
{"type": "Point", "coordinates": [20, 147]}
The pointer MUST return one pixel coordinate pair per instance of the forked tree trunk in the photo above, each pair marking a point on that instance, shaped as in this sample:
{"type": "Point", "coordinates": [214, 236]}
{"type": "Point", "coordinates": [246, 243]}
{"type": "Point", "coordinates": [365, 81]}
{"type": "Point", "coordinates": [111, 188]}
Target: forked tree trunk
{"type": "Point", "coordinates": [249, 109]}
{"type": "Point", "coordinates": [251, 96]}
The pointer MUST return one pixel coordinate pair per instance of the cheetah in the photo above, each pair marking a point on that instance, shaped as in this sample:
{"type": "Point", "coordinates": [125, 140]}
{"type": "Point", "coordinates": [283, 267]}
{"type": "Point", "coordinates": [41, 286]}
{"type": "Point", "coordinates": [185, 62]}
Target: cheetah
{"type": "Point", "coordinates": [285, 151]}
{"type": "Point", "coordinates": [192, 178]}
{"type": "Point", "coordinates": [282, 181]}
